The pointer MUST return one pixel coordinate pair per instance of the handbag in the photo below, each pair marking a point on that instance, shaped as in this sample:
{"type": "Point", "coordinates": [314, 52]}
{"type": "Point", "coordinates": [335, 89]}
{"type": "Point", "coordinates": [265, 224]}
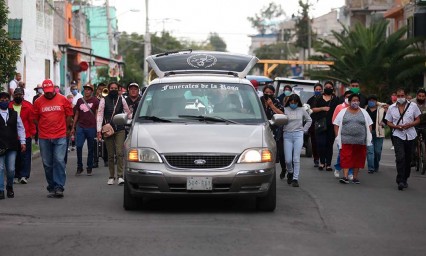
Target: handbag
{"type": "Point", "coordinates": [321, 125]}
{"type": "Point", "coordinates": [107, 129]}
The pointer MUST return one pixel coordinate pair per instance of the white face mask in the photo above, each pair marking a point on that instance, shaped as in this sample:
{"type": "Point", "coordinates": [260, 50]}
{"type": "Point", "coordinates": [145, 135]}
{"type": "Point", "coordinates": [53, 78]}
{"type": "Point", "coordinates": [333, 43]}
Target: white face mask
{"type": "Point", "coordinates": [401, 100]}
{"type": "Point", "coordinates": [346, 101]}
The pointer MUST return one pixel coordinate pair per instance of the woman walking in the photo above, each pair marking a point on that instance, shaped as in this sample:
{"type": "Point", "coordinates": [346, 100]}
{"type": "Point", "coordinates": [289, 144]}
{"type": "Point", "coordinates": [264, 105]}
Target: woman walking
{"type": "Point", "coordinates": [353, 130]}
{"type": "Point", "coordinates": [293, 136]}
{"type": "Point", "coordinates": [323, 109]}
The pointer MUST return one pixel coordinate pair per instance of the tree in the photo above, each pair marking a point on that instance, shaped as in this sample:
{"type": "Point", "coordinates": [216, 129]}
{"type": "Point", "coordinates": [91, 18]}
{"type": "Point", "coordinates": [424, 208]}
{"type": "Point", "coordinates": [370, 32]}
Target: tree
{"type": "Point", "coordinates": [303, 23]}
{"type": "Point", "coordinates": [10, 52]}
{"type": "Point", "coordinates": [265, 21]}
{"type": "Point", "coordinates": [381, 63]}
{"type": "Point", "coordinates": [216, 42]}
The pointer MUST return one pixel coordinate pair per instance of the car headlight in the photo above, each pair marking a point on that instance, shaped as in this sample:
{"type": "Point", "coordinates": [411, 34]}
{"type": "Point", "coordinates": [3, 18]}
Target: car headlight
{"type": "Point", "coordinates": [256, 155]}
{"type": "Point", "coordinates": [144, 155]}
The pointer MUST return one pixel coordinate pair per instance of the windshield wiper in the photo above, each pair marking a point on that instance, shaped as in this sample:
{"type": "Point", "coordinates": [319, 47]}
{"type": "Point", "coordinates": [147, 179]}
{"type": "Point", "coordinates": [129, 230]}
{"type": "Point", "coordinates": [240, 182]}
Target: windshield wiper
{"type": "Point", "coordinates": [208, 118]}
{"type": "Point", "coordinates": [155, 119]}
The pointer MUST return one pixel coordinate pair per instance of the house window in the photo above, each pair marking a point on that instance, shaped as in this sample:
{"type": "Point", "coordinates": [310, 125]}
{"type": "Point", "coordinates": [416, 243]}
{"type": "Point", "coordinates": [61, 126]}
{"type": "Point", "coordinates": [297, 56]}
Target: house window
{"type": "Point", "coordinates": [47, 69]}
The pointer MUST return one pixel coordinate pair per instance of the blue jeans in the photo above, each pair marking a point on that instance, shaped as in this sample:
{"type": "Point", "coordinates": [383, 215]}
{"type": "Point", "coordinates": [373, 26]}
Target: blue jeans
{"type": "Point", "coordinates": [293, 143]}
{"type": "Point", "coordinates": [52, 153]}
{"type": "Point", "coordinates": [7, 161]}
{"type": "Point", "coordinates": [84, 134]}
{"type": "Point", "coordinates": [23, 160]}
{"type": "Point", "coordinates": [374, 153]}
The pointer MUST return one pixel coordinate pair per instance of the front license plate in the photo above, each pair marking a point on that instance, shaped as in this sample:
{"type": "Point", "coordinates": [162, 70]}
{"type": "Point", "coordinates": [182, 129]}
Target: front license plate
{"type": "Point", "coordinates": [199, 183]}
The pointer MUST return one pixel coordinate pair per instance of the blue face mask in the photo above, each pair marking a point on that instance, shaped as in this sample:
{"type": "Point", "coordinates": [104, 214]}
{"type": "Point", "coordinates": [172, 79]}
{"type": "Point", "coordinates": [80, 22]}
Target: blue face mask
{"type": "Point", "coordinates": [4, 105]}
{"type": "Point", "coordinates": [74, 92]}
{"type": "Point", "coordinates": [317, 93]}
{"type": "Point", "coordinates": [287, 93]}
{"type": "Point", "coordinates": [293, 106]}
{"type": "Point", "coordinates": [371, 104]}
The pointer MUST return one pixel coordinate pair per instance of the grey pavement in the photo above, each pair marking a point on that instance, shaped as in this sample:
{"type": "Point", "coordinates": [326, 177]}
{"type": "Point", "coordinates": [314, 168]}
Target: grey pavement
{"type": "Point", "coordinates": [322, 217]}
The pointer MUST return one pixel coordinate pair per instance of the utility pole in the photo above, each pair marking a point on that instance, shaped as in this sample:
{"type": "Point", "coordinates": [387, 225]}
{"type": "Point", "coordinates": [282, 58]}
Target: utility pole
{"type": "Point", "coordinates": [147, 44]}
{"type": "Point", "coordinates": [111, 52]}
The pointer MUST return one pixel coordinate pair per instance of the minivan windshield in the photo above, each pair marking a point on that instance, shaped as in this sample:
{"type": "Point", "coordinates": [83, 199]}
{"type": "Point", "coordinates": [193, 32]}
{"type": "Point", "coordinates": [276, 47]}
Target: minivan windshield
{"type": "Point", "coordinates": [201, 102]}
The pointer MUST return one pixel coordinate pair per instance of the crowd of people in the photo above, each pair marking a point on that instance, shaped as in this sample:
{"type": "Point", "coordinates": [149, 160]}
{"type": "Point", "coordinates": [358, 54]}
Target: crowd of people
{"type": "Point", "coordinates": [354, 122]}
{"type": "Point", "coordinates": [53, 120]}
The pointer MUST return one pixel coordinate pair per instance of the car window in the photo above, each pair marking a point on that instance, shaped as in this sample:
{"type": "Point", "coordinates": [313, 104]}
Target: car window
{"type": "Point", "coordinates": [237, 102]}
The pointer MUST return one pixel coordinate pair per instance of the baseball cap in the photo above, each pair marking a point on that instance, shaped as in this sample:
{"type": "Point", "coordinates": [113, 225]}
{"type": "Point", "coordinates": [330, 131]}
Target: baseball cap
{"type": "Point", "coordinates": [133, 85]}
{"type": "Point", "coordinates": [90, 86]}
{"type": "Point", "coordinates": [18, 90]}
{"type": "Point", "coordinates": [48, 86]}
{"type": "Point", "coordinates": [73, 82]}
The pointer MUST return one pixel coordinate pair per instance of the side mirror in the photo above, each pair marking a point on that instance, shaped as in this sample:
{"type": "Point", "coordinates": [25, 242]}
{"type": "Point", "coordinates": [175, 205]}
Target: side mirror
{"type": "Point", "coordinates": [121, 119]}
{"type": "Point", "coordinates": [279, 120]}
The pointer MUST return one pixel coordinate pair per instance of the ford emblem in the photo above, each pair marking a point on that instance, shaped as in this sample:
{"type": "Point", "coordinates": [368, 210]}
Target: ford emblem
{"type": "Point", "coordinates": [199, 161]}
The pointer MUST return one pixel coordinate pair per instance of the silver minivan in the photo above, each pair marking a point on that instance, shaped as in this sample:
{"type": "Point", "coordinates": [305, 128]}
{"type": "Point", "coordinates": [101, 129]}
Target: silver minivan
{"type": "Point", "coordinates": [200, 130]}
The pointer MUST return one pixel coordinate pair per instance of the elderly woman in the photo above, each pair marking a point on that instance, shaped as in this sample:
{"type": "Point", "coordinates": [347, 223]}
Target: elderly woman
{"type": "Point", "coordinates": [353, 129]}
{"type": "Point", "coordinates": [293, 136]}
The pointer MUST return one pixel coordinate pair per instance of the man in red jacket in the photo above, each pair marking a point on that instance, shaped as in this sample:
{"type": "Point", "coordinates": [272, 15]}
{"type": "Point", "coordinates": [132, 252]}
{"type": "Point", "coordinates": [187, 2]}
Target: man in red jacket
{"type": "Point", "coordinates": [26, 112]}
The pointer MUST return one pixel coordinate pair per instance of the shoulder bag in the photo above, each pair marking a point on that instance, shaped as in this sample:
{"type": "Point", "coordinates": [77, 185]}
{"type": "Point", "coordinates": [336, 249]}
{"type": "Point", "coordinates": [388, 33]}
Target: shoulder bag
{"type": "Point", "coordinates": [107, 128]}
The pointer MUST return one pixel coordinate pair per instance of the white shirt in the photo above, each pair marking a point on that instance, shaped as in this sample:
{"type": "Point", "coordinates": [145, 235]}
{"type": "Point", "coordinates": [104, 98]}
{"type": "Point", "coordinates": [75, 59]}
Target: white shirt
{"type": "Point", "coordinates": [410, 115]}
{"type": "Point", "coordinates": [13, 84]}
{"type": "Point", "coordinates": [76, 97]}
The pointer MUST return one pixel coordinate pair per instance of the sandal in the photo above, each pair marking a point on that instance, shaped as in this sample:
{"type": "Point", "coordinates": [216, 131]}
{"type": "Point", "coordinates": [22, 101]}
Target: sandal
{"type": "Point", "coordinates": [329, 169]}
{"type": "Point", "coordinates": [321, 167]}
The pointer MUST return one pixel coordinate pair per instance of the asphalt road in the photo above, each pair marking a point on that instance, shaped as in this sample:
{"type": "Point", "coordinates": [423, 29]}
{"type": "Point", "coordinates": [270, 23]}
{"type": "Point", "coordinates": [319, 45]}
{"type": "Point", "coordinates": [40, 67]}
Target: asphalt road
{"type": "Point", "coordinates": [321, 217]}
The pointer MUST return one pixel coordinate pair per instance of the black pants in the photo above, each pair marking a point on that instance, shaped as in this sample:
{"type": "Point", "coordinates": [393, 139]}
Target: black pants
{"type": "Point", "coordinates": [280, 153]}
{"type": "Point", "coordinates": [325, 142]}
{"type": "Point", "coordinates": [313, 142]}
{"type": "Point", "coordinates": [403, 153]}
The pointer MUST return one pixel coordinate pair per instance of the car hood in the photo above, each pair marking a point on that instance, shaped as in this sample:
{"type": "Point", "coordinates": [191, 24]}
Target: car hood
{"type": "Point", "coordinates": [199, 138]}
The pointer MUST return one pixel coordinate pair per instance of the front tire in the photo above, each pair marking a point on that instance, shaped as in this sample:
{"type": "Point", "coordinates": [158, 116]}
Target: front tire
{"type": "Point", "coordinates": [129, 202]}
{"type": "Point", "coordinates": [268, 203]}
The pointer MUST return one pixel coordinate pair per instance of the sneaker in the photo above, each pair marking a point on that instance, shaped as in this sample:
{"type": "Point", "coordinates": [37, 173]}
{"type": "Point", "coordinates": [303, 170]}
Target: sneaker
{"type": "Point", "coordinates": [401, 186]}
{"type": "Point", "coordinates": [120, 181]}
{"type": "Point", "coordinates": [111, 181]}
{"type": "Point", "coordinates": [10, 193]}
{"type": "Point", "coordinates": [289, 178]}
{"type": "Point", "coordinates": [59, 193]}
{"type": "Point", "coordinates": [69, 150]}
{"type": "Point", "coordinates": [295, 183]}
{"type": "Point", "coordinates": [316, 163]}
{"type": "Point", "coordinates": [351, 176]}
{"type": "Point", "coordinates": [72, 148]}
{"type": "Point", "coordinates": [336, 174]}
{"type": "Point", "coordinates": [89, 171]}
{"type": "Point", "coordinates": [321, 167]}
{"type": "Point", "coordinates": [23, 180]}
{"type": "Point", "coordinates": [371, 171]}
{"type": "Point", "coordinates": [79, 171]}
{"type": "Point", "coordinates": [95, 165]}
{"type": "Point", "coordinates": [51, 194]}
{"type": "Point", "coordinates": [392, 148]}
{"type": "Point", "coordinates": [282, 174]}
{"type": "Point", "coordinates": [405, 185]}
{"type": "Point", "coordinates": [15, 181]}
{"type": "Point", "coordinates": [344, 180]}
{"type": "Point", "coordinates": [356, 181]}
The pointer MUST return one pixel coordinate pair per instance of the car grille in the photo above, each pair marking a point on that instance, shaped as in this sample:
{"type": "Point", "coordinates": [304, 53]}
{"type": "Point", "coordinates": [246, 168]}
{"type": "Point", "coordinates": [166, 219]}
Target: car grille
{"type": "Point", "coordinates": [199, 161]}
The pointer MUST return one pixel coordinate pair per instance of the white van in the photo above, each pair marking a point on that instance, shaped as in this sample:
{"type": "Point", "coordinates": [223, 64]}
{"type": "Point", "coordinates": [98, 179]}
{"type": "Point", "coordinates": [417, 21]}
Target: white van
{"type": "Point", "coordinates": [200, 130]}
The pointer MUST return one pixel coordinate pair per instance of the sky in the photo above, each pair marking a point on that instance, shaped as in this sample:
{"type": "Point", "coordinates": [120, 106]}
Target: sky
{"type": "Point", "coordinates": [194, 19]}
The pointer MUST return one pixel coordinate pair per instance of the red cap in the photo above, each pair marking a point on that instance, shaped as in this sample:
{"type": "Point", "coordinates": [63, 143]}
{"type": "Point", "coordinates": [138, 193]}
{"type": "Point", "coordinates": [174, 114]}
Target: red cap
{"type": "Point", "coordinates": [255, 83]}
{"type": "Point", "coordinates": [48, 86]}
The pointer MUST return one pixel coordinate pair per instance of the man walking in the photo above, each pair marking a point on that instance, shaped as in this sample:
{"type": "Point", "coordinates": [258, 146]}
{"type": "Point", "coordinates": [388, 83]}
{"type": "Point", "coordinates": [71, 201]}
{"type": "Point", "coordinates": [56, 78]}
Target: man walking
{"type": "Point", "coordinates": [75, 93]}
{"type": "Point", "coordinates": [53, 113]}
{"type": "Point", "coordinates": [14, 83]}
{"type": "Point", "coordinates": [26, 112]}
{"type": "Point", "coordinates": [11, 127]}
{"type": "Point", "coordinates": [402, 117]}
{"type": "Point", "coordinates": [84, 127]}
{"type": "Point", "coordinates": [133, 97]}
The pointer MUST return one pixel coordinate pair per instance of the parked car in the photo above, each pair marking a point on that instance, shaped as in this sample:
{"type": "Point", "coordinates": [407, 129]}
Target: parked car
{"type": "Point", "coordinates": [303, 88]}
{"type": "Point", "coordinates": [200, 130]}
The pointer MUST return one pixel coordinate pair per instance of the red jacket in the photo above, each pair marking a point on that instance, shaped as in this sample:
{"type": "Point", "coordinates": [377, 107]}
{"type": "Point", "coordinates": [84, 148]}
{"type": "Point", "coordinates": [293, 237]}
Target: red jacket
{"type": "Point", "coordinates": [27, 116]}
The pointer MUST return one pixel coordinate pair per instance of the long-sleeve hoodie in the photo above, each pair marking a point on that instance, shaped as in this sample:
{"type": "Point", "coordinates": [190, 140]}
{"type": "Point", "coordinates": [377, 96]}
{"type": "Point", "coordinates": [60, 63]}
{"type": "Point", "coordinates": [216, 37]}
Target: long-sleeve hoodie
{"type": "Point", "coordinates": [296, 118]}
